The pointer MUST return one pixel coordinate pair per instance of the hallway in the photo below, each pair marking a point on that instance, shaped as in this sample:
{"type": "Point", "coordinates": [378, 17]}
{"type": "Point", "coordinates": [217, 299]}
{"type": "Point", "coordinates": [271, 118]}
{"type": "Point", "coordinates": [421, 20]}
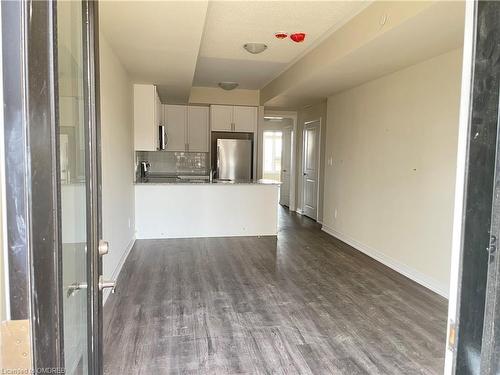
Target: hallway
{"type": "Point", "coordinates": [304, 303]}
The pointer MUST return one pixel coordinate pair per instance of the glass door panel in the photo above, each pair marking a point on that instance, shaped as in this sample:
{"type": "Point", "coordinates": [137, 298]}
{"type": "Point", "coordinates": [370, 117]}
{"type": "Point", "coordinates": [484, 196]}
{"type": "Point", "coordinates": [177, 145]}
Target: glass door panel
{"type": "Point", "coordinates": [72, 158]}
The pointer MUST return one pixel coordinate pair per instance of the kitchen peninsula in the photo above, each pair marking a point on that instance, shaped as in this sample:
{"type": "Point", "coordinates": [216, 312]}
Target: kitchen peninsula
{"type": "Point", "coordinates": [195, 168]}
{"type": "Point", "coordinates": [206, 209]}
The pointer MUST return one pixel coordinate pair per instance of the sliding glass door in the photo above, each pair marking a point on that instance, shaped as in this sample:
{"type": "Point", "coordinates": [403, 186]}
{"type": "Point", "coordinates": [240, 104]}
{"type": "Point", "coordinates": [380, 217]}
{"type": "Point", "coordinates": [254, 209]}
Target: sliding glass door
{"type": "Point", "coordinates": [49, 52]}
{"type": "Point", "coordinates": [73, 181]}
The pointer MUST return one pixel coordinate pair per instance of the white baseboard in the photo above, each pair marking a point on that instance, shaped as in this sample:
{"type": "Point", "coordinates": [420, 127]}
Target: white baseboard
{"type": "Point", "coordinates": [409, 272]}
{"type": "Point", "coordinates": [119, 267]}
{"type": "Point", "coordinates": [207, 235]}
{"type": "Point", "coordinates": [299, 211]}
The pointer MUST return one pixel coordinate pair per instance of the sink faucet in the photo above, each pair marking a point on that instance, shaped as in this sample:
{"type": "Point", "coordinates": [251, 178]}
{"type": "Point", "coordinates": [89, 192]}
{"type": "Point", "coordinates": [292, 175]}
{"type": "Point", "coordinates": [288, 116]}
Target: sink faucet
{"type": "Point", "coordinates": [145, 166]}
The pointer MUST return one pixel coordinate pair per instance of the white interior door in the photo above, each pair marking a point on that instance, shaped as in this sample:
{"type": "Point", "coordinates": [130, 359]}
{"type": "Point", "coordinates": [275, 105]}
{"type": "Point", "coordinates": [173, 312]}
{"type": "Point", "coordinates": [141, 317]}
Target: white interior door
{"type": "Point", "coordinates": [286, 156]}
{"type": "Point", "coordinates": [310, 169]}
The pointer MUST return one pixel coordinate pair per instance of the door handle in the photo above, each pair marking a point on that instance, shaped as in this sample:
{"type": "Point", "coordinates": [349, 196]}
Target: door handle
{"type": "Point", "coordinates": [305, 174]}
{"type": "Point", "coordinates": [103, 247]}
{"type": "Point", "coordinates": [75, 287]}
{"type": "Point", "coordinates": [103, 284]}
{"type": "Point", "coordinates": [284, 170]}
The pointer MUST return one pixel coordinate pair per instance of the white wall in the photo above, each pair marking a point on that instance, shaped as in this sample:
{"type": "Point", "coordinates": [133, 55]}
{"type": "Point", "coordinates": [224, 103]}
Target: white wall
{"type": "Point", "coordinates": [117, 159]}
{"type": "Point", "coordinates": [393, 143]}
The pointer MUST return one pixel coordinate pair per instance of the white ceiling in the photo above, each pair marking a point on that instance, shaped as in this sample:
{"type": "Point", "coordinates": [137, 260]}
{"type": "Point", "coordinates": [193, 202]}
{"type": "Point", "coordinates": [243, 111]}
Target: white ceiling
{"type": "Point", "coordinates": [179, 44]}
{"type": "Point", "coordinates": [437, 29]}
{"type": "Point", "coordinates": [230, 24]}
{"type": "Point", "coordinates": [157, 41]}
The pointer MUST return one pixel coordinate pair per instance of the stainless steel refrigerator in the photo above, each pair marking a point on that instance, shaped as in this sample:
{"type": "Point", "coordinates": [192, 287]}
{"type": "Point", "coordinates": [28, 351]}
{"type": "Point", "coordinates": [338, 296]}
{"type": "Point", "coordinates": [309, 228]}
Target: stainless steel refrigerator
{"type": "Point", "coordinates": [234, 159]}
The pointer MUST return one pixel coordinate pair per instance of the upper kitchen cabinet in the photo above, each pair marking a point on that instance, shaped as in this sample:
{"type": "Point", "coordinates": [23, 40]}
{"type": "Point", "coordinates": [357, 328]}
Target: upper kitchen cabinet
{"type": "Point", "coordinates": [245, 119]}
{"type": "Point", "coordinates": [198, 129]}
{"type": "Point", "coordinates": [221, 117]}
{"type": "Point", "coordinates": [187, 128]}
{"type": "Point", "coordinates": [176, 122]}
{"type": "Point", "coordinates": [147, 117]}
{"type": "Point", "coordinates": [233, 118]}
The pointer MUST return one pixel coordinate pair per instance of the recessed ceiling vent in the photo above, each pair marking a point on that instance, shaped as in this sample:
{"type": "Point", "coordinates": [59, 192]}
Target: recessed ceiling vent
{"type": "Point", "coordinates": [228, 85]}
{"type": "Point", "coordinates": [255, 48]}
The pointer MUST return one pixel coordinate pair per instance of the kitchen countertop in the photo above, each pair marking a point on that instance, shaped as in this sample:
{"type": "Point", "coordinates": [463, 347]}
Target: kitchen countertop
{"type": "Point", "coordinates": [171, 181]}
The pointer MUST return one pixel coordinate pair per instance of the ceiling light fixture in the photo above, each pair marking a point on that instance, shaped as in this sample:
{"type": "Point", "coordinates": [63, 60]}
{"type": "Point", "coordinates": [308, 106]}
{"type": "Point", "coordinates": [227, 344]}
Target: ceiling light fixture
{"type": "Point", "coordinates": [281, 35]}
{"type": "Point", "coordinates": [255, 48]}
{"type": "Point", "coordinates": [273, 118]}
{"type": "Point", "coordinates": [228, 85]}
{"type": "Point", "coordinates": [298, 37]}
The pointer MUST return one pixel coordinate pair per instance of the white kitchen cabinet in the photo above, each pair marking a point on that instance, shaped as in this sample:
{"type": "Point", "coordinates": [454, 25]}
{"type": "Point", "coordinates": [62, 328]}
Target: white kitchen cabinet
{"type": "Point", "coordinates": [187, 128]}
{"type": "Point", "coordinates": [147, 117]}
{"type": "Point", "coordinates": [221, 117]}
{"type": "Point", "coordinates": [198, 129]}
{"type": "Point", "coordinates": [176, 122]}
{"type": "Point", "coordinates": [245, 119]}
{"type": "Point", "coordinates": [233, 118]}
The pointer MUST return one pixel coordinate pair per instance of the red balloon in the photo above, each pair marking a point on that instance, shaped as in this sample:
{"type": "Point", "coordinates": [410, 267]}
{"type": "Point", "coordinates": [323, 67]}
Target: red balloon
{"type": "Point", "coordinates": [298, 37]}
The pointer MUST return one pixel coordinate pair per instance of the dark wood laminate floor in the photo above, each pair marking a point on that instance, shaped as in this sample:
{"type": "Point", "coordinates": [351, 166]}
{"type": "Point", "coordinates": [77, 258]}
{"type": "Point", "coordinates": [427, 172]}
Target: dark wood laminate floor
{"type": "Point", "coordinates": [304, 303]}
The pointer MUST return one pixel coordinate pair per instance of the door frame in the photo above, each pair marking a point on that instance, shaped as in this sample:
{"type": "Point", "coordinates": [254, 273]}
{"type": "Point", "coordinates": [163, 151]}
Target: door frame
{"type": "Point", "coordinates": [293, 147]}
{"type": "Point", "coordinates": [303, 192]}
{"type": "Point", "coordinates": [94, 186]}
{"type": "Point", "coordinates": [31, 181]}
{"type": "Point", "coordinates": [32, 184]}
{"type": "Point", "coordinates": [283, 130]}
{"type": "Point", "coordinates": [460, 187]}
{"type": "Point", "coordinates": [476, 221]}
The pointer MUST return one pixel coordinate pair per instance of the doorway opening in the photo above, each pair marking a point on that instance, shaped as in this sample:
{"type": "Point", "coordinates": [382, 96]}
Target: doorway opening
{"type": "Point", "coordinates": [277, 155]}
{"type": "Point", "coordinates": [273, 142]}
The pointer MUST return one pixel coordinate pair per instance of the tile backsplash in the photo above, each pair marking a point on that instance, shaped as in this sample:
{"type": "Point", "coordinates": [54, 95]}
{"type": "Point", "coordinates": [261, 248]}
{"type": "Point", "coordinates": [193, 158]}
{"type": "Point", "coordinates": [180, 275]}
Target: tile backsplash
{"type": "Point", "coordinates": [175, 163]}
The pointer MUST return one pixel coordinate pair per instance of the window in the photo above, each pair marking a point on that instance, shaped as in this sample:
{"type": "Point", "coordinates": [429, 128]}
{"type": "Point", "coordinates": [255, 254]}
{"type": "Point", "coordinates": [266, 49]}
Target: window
{"type": "Point", "coordinates": [272, 155]}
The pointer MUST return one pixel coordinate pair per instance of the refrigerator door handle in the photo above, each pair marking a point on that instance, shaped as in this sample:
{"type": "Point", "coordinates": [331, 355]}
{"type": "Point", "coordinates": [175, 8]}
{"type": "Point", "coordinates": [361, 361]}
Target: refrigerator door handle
{"type": "Point", "coordinates": [218, 162]}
